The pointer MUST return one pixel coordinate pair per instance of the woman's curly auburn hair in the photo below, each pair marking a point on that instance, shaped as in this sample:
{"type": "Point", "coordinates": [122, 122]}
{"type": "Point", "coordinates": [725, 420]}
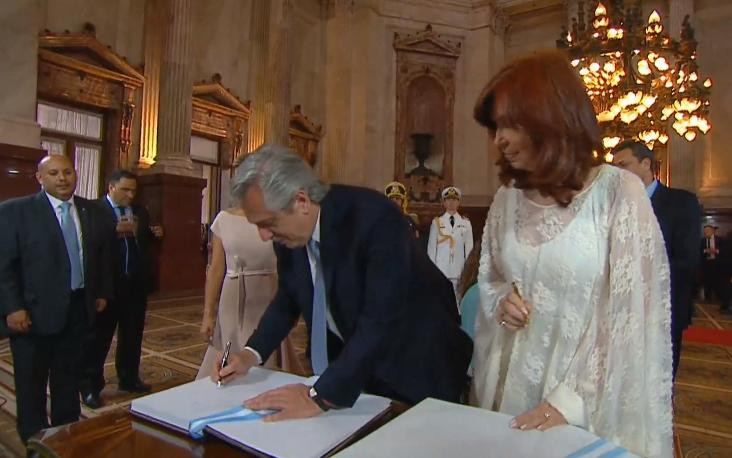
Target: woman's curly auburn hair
{"type": "Point", "coordinates": [545, 97]}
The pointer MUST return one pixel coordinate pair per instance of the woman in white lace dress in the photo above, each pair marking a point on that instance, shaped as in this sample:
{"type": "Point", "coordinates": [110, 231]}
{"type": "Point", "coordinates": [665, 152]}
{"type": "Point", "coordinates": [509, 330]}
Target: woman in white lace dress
{"type": "Point", "coordinates": [574, 281]}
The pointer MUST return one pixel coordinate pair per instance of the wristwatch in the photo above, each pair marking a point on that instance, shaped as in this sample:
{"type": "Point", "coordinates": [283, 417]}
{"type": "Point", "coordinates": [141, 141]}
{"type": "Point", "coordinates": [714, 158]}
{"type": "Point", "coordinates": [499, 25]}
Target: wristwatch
{"type": "Point", "coordinates": [318, 400]}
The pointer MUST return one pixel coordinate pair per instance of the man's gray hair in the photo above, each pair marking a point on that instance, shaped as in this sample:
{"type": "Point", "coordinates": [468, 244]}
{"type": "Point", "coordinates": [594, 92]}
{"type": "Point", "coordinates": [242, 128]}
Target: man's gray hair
{"type": "Point", "coordinates": [280, 173]}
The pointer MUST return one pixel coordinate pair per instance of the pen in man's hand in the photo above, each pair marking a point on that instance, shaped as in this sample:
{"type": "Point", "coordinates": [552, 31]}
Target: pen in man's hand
{"type": "Point", "coordinates": [225, 359]}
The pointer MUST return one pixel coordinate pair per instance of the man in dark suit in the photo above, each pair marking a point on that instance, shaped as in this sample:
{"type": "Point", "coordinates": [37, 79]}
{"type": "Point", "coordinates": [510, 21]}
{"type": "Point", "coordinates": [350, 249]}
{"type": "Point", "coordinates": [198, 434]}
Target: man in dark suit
{"type": "Point", "coordinates": [679, 215]}
{"type": "Point", "coordinates": [714, 267]}
{"type": "Point", "coordinates": [382, 317]}
{"type": "Point", "coordinates": [128, 226]}
{"type": "Point", "coordinates": [54, 278]}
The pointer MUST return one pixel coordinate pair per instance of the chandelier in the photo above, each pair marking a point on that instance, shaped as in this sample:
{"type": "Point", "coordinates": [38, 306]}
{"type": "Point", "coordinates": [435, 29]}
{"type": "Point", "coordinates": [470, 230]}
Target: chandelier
{"type": "Point", "coordinates": [640, 80]}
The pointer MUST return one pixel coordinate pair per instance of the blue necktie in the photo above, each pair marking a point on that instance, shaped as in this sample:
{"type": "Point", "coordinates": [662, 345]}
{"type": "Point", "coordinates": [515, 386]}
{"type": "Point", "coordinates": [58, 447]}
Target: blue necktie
{"type": "Point", "coordinates": [68, 228]}
{"type": "Point", "coordinates": [318, 331]}
{"type": "Point", "coordinates": [123, 211]}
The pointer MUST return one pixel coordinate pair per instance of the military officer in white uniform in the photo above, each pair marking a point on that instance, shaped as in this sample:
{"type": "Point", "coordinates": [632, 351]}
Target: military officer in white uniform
{"type": "Point", "coordinates": [451, 237]}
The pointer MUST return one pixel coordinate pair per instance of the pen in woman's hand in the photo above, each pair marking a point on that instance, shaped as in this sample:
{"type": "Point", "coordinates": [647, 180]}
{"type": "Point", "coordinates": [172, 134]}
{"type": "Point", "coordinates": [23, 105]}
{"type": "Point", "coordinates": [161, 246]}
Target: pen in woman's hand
{"type": "Point", "coordinates": [517, 292]}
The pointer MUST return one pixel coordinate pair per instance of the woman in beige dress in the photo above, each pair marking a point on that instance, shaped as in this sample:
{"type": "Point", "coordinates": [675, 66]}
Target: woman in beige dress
{"type": "Point", "coordinates": [240, 283]}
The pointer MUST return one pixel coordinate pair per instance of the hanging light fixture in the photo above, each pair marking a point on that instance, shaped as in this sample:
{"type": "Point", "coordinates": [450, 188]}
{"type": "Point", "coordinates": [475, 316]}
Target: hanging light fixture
{"type": "Point", "coordinates": [640, 80]}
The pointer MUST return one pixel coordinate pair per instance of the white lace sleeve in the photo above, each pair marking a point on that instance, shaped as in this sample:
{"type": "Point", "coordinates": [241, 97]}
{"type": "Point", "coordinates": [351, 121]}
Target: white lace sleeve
{"type": "Point", "coordinates": [491, 280]}
{"type": "Point", "coordinates": [621, 373]}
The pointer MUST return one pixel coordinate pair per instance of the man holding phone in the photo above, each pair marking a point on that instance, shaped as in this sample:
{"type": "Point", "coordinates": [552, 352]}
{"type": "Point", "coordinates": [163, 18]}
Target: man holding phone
{"type": "Point", "coordinates": [128, 225]}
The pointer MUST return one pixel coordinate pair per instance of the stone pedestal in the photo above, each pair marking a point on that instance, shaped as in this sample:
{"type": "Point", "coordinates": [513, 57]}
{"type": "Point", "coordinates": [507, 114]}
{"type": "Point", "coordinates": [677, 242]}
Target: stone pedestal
{"type": "Point", "coordinates": [180, 257]}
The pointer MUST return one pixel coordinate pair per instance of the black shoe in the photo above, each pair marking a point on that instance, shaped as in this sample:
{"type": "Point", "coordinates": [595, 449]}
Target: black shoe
{"type": "Point", "coordinates": [92, 400]}
{"type": "Point", "coordinates": [136, 386]}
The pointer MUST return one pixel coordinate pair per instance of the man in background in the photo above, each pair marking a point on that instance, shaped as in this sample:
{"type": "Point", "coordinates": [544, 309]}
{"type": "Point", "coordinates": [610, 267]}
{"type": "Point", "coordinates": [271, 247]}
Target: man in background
{"type": "Point", "coordinates": [397, 193]}
{"type": "Point", "coordinates": [451, 237]}
{"type": "Point", "coordinates": [715, 268]}
{"type": "Point", "coordinates": [679, 215]}
{"type": "Point", "coordinates": [128, 227]}
{"type": "Point", "coordinates": [55, 276]}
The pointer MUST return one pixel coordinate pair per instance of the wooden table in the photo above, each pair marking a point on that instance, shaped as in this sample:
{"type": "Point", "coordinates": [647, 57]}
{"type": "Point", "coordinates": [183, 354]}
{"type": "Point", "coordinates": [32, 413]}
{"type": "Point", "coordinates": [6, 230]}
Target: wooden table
{"type": "Point", "coordinates": [119, 434]}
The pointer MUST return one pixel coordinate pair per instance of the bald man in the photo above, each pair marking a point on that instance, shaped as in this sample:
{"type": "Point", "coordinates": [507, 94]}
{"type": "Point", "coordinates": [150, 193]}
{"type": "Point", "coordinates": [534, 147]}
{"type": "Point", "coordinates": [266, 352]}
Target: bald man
{"type": "Point", "coordinates": [55, 275]}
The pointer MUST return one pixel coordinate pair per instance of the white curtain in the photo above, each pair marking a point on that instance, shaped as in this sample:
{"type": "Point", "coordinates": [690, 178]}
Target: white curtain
{"type": "Point", "coordinates": [87, 162]}
{"type": "Point", "coordinates": [70, 121]}
{"type": "Point", "coordinates": [53, 146]}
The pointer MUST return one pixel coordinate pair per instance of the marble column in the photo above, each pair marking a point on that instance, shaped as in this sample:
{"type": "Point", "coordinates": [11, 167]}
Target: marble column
{"type": "Point", "coordinates": [270, 72]}
{"type": "Point", "coordinates": [170, 188]}
{"type": "Point", "coordinates": [19, 25]}
{"type": "Point", "coordinates": [154, 39]}
{"type": "Point", "coordinates": [176, 93]}
{"type": "Point", "coordinates": [681, 154]}
{"type": "Point", "coordinates": [338, 75]}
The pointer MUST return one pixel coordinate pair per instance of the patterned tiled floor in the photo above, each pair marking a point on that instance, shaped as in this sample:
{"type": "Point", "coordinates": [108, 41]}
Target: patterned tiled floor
{"type": "Point", "coordinates": [172, 350]}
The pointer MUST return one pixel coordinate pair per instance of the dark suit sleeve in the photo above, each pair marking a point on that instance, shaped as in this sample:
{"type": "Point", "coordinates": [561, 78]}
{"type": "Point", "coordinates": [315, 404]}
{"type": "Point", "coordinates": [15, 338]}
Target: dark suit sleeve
{"type": "Point", "coordinates": [277, 320]}
{"type": "Point", "coordinates": [106, 233]}
{"type": "Point", "coordinates": [11, 297]}
{"type": "Point", "coordinates": [387, 251]}
{"type": "Point", "coordinates": [684, 253]}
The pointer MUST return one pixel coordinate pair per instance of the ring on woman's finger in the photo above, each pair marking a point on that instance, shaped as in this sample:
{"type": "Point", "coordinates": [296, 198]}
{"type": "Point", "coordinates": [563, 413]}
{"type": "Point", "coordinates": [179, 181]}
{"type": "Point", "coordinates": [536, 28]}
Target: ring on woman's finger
{"type": "Point", "coordinates": [547, 415]}
{"type": "Point", "coordinates": [503, 323]}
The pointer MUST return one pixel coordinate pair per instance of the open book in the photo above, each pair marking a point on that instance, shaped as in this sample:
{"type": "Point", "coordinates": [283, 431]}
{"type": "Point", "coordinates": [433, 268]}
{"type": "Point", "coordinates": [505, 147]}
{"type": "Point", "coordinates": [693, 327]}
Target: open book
{"type": "Point", "coordinates": [440, 429]}
{"type": "Point", "coordinates": [179, 408]}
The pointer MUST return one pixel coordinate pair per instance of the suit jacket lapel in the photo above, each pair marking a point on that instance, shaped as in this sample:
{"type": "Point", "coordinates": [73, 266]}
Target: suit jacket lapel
{"type": "Point", "coordinates": [84, 217]}
{"type": "Point", "coordinates": [50, 221]}
{"type": "Point", "coordinates": [48, 214]}
{"type": "Point", "coordinates": [329, 245]}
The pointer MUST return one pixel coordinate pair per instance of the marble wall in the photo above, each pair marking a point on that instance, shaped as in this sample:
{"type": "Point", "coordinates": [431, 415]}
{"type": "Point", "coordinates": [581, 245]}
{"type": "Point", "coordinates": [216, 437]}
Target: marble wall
{"type": "Point", "coordinates": [361, 94]}
{"type": "Point", "coordinates": [342, 71]}
{"type": "Point", "coordinates": [712, 25]}
{"type": "Point", "coordinates": [118, 23]}
{"type": "Point", "coordinates": [221, 43]}
{"type": "Point", "coordinates": [18, 54]}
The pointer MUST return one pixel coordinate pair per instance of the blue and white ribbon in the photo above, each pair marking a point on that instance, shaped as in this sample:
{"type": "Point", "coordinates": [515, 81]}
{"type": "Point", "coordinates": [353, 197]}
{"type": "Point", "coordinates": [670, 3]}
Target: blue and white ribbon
{"type": "Point", "coordinates": [239, 413]}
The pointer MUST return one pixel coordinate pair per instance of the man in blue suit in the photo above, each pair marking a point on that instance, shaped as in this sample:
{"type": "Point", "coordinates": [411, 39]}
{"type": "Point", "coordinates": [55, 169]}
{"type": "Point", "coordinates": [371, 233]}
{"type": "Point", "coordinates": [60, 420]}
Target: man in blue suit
{"type": "Point", "coordinates": [54, 277]}
{"type": "Point", "coordinates": [381, 316]}
{"type": "Point", "coordinates": [679, 215]}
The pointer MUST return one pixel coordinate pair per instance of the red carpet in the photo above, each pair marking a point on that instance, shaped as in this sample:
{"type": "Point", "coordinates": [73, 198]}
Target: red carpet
{"type": "Point", "coordinates": [708, 336]}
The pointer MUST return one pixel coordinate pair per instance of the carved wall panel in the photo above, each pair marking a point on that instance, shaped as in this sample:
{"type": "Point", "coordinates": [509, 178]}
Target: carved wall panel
{"type": "Point", "coordinates": [78, 70]}
{"type": "Point", "coordinates": [304, 135]}
{"type": "Point", "coordinates": [425, 92]}
{"type": "Point", "coordinates": [219, 114]}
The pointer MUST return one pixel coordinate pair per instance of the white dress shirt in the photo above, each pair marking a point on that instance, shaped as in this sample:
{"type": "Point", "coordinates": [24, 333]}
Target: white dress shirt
{"type": "Point", "coordinates": [56, 204]}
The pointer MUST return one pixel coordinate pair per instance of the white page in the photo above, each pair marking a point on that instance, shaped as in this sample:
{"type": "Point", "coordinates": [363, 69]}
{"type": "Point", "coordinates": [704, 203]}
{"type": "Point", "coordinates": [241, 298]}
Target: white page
{"type": "Point", "coordinates": [311, 437]}
{"type": "Point", "coordinates": [307, 438]}
{"type": "Point", "coordinates": [179, 405]}
{"type": "Point", "coordinates": [441, 429]}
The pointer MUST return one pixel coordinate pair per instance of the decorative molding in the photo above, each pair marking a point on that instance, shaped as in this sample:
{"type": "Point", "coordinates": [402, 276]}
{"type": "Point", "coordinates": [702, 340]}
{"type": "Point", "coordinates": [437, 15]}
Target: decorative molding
{"type": "Point", "coordinates": [428, 42]}
{"type": "Point", "coordinates": [425, 97]}
{"type": "Point", "coordinates": [219, 113]}
{"type": "Point", "coordinates": [78, 69]}
{"type": "Point", "coordinates": [215, 92]}
{"type": "Point", "coordinates": [305, 135]}
{"type": "Point", "coordinates": [87, 42]}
